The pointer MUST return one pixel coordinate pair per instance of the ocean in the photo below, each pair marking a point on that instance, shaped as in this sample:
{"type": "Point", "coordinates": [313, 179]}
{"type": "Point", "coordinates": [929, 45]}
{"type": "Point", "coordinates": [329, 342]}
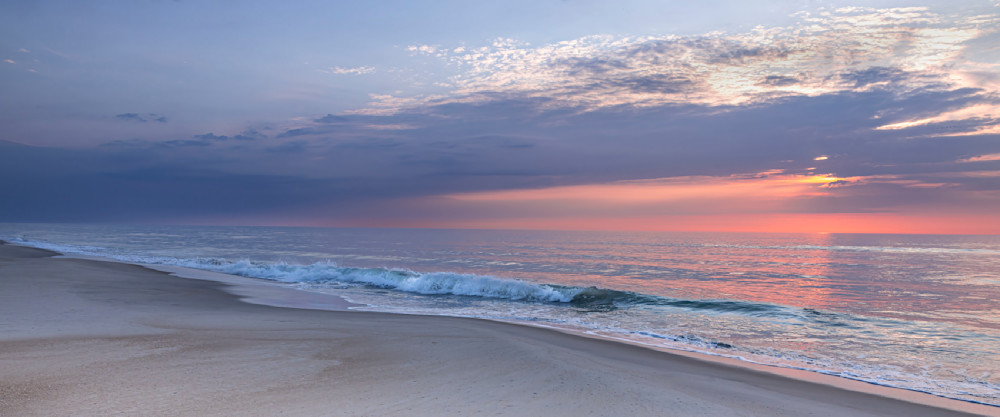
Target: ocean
{"type": "Point", "coordinates": [919, 312]}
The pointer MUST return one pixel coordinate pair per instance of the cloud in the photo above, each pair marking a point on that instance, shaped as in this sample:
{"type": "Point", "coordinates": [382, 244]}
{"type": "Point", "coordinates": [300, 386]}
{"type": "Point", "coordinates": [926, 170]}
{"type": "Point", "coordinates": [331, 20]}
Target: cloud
{"type": "Point", "coordinates": [177, 143]}
{"type": "Point", "coordinates": [982, 158]}
{"type": "Point", "coordinates": [329, 118]}
{"type": "Point", "coordinates": [136, 117]}
{"type": "Point", "coordinates": [114, 184]}
{"type": "Point", "coordinates": [973, 119]}
{"type": "Point", "coordinates": [10, 61]}
{"type": "Point", "coordinates": [302, 131]}
{"type": "Point", "coordinates": [350, 71]}
{"type": "Point", "coordinates": [134, 143]}
{"type": "Point", "coordinates": [755, 186]}
{"type": "Point", "coordinates": [250, 134]}
{"type": "Point", "coordinates": [130, 116]}
{"type": "Point", "coordinates": [533, 146]}
{"type": "Point", "coordinates": [211, 137]}
{"type": "Point", "coordinates": [657, 116]}
{"type": "Point", "coordinates": [428, 49]}
{"type": "Point", "coordinates": [874, 75]}
{"type": "Point", "coordinates": [779, 80]}
{"type": "Point", "coordinates": [902, 50]}
{"type": "Point", "coordinates": [246, 135]}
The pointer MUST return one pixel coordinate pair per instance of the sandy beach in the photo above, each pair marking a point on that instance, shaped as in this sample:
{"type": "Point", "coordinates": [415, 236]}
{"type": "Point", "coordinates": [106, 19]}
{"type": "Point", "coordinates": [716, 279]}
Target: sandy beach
{"type": "Point", "coordinates": [85, 337]}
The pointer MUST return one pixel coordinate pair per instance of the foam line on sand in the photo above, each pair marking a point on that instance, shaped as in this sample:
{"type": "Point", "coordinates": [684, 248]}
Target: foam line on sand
{"type": "Point", "coordinates": [85, 337]}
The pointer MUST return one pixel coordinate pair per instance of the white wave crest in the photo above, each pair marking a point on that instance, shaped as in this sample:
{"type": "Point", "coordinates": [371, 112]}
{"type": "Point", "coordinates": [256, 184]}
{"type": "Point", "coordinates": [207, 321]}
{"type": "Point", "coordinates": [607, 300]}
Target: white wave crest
{"type": "Point", "coordinates": [397, 279]}
{"type": "Point", "coordinates": [437, 283]}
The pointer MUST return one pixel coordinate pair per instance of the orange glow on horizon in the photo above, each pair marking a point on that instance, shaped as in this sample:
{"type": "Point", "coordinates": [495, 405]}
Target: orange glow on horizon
{"type": "Point", "coordinates": [763, 202]}
{"type": "Point", "coordinates": [764, 185]}
{"type": "Point", "coordinates": [885, 223]}
{"type": "Point", "coordinates": [770, 201]}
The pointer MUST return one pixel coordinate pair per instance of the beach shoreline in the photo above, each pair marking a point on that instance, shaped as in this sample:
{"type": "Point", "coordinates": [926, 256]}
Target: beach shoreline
{"type": "Point", "coordinates": [88, 337]}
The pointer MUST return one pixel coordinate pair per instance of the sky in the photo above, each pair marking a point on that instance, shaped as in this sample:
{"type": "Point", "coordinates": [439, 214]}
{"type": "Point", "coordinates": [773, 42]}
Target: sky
{"type": "Point", "coordinates": [779, 116]}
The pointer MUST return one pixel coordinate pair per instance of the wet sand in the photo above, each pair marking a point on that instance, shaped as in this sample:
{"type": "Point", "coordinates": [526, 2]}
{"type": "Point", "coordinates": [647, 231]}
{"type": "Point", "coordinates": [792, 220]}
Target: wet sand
{"type": "Point", "coordinates": [84, 337]}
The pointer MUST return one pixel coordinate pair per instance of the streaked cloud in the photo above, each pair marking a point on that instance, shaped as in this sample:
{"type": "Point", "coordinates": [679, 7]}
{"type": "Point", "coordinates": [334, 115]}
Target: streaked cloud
{"type": "Point", "coordinates": [142, 118]}
{"type": "Point", "coordinates": [767, 185]}
{"type": "Point", "coordinates": [987, 116]}
{"type": "Point", "coordinates": [982, 158]}
{"type": "Point", "coordinates": [837, 113]}
{"type": "Point", "coordinates": [246, 135]}
{"type": "Point", "coordinates": [855, 49]}
{"type": "Point", "coordinates": [350, 71]}
{"type": "Point", "coordinates": [430, 50]}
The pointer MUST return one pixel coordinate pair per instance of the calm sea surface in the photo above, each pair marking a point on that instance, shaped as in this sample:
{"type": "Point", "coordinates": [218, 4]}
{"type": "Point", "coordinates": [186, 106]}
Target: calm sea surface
{"type": "Point", "coordinates": [912, 311]}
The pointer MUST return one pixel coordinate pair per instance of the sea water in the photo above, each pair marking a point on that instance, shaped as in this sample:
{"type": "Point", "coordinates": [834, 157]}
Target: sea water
{"type": "Point", "coordinates": [919, 312]}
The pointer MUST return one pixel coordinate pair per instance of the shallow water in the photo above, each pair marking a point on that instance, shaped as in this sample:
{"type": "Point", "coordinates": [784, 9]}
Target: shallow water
{"type": "Point", "coordinates": [917, 312]}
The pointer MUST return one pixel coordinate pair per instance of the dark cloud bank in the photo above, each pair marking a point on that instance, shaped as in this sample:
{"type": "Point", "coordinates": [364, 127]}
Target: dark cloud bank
{"type": "Point", "coordinates": [350, 166]}
{"type": "Point", "coordinates": [141, 118]}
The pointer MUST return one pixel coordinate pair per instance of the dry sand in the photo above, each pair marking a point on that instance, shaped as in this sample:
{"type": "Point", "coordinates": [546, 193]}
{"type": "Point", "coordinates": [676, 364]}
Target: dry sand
{"type": "Point", "coordinates": [89, 338]}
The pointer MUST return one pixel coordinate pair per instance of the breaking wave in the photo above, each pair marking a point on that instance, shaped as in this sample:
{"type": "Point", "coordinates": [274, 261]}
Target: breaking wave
{"type": "Point", "coordinates": [432, 283]}
{"type": "Point", "coordinates": [443, 283]}
{"type": "Point", "coordinates": [450, 283]}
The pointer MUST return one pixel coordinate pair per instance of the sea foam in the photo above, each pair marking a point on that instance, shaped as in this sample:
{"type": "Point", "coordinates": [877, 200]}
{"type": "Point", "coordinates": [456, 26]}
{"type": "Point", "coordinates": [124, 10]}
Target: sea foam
{"type": "Point", "coordinates": [439, 283]}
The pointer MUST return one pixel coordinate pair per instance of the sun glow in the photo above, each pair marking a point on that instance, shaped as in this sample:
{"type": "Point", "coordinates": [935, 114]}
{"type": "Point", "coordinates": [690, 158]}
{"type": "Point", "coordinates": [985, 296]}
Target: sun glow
{"type": "Point", "coordinates": [771, 201]}
{"type": "Point", "coordinates": [764, 185]}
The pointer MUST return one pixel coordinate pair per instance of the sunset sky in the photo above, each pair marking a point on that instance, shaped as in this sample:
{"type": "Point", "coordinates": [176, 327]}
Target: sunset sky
{"type": "Point", "coordinates": [791, 116]}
